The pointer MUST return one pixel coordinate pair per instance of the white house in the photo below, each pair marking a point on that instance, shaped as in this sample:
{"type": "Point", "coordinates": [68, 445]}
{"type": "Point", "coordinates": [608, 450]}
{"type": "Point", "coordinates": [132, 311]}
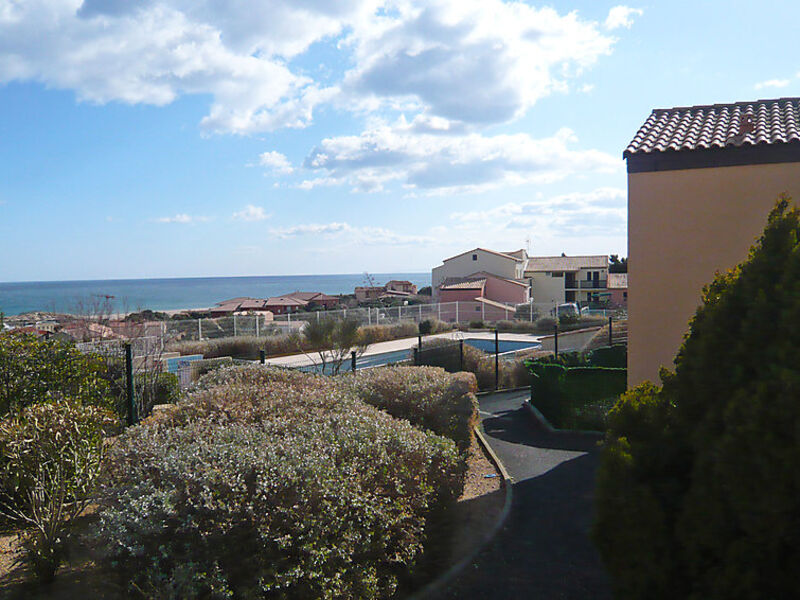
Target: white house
{"type": "Point", "coordinates": [559, 279]}
{"type": "Point", "coordinates": [507, 265]}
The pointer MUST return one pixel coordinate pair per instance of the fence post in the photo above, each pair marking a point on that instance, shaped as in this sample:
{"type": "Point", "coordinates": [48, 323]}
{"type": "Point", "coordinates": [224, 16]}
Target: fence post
{"type": "Point", "coordinates": [416, 357]}
{"type": "Point", "coordinates": [457, 321]}
{"type": "Point", "coordinates": [129, 391]}
{"type": "Point", "coordinates": [199, 329]}
{"type": "Point", "coordinates": [555, 341]}
{"type": "Point", "coordinates": [496, 359]}
{"type": "Point", "coordinates": [353, 361]}
{"type": "Point", "coordinates": [610, 332]}
{"type": "Point", "coordinates": [420, 313]}
{"type": "Point", "coordinates": [258, 318]}
{"type": "Point", "coordinates": [531, 309]}
{"type": "Point", "coordinates": [483, 311]}
{"type": "Point", "coordinates": [461, 354]}
{"type": "Point", "coordinates": [234, 325]}
{"type": "Point", "coordinates": [438, 311]}
{"type": "Point", "coordinates": [262, 357]}
{"type": "Point", "coordinates": [369, 316]}
{"type": "Point", "coordinates": [419, 341]}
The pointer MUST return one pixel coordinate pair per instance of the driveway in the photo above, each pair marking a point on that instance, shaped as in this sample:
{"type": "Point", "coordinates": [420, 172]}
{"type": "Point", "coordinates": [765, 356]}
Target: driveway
{"type": "Point", "coordinates": [543, 551]}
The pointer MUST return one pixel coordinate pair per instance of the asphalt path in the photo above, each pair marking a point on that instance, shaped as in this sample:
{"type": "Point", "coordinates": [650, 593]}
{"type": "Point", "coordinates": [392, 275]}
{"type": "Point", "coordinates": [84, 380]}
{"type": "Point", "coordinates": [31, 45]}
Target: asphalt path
{"type": "Point", "coordinates": [543, 551]}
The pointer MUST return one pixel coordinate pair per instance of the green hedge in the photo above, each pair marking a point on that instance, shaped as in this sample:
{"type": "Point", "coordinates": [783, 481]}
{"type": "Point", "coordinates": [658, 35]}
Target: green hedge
{"type": "Point", "coordinates": [609, 356]}
{"type": "Point", "coordinates": [576, 397]}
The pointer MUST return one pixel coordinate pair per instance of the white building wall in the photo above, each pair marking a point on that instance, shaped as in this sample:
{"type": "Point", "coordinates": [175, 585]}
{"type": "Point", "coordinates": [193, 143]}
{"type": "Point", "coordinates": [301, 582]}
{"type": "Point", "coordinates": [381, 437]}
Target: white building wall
{"type": "Point", "coordinates": [547, 289]}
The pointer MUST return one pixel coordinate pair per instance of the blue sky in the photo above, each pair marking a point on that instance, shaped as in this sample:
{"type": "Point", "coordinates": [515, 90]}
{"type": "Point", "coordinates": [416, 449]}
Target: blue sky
{"type": "Point", "coordinates": [196, 138]}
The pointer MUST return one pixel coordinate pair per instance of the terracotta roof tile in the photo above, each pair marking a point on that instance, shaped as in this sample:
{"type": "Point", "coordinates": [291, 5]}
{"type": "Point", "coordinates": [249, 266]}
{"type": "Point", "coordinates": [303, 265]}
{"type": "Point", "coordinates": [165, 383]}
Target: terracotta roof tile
{"type": "Point", "coordinates": [719, 126]}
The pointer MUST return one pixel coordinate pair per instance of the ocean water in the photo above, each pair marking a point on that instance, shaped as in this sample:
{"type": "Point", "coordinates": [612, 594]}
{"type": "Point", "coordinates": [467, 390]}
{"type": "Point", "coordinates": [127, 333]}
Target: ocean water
{"type": "Point", "coordinates": [172, 294]}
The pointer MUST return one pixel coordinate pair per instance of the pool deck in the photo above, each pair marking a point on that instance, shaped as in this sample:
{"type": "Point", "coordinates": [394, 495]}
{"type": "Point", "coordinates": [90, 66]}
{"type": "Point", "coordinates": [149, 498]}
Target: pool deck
{"type": "Point", "coordinates": [304, 360]}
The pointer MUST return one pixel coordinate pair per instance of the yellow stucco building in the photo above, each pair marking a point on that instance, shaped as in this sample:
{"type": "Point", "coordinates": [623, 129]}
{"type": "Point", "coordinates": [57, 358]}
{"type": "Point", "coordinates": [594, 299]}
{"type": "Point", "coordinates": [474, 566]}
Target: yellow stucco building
{"type": "Point", "coordinates": [701, 182]}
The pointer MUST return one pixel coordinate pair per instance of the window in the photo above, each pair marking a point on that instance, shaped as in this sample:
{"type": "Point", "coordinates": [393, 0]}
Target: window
{"type": "Point", "coordinates": [474, 257]}
{"type": "Point", "coordinates": [478, 309]}
{"type": "Point", "coordinates": [558, 274]}
{"type": "Point", "coordinates": [625, 295]}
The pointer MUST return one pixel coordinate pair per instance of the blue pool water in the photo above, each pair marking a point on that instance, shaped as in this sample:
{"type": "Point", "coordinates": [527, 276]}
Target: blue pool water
{"type": "Point", "coordinates": [365, 362]}
{"type": "Point", "coordinates": [503, 345]}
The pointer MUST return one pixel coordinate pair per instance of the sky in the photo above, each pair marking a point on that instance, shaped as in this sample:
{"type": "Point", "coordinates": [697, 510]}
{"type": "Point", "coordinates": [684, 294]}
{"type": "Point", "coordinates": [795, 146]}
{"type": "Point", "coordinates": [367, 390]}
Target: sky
{"type": "Point", "coordinates": [182, 138]}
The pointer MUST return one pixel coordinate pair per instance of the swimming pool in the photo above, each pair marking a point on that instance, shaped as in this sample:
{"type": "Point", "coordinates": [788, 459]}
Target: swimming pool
{"type": "Point", "coordinates": [365, 362]}
{"type": "Point", "coordinates": [503, 345]}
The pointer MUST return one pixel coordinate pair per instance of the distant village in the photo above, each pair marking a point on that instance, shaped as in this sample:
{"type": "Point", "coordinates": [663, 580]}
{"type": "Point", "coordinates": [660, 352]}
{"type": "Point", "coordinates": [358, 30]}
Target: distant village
{"type": "Point", "coordinates": [484, 283]}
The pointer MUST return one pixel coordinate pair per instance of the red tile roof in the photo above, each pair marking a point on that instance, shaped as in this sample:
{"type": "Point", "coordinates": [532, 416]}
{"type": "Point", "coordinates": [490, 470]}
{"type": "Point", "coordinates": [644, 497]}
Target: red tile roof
{"type": "Point", "coordinates": [456, 283]}
{"type": "Point", "coordinates": [719, 126]}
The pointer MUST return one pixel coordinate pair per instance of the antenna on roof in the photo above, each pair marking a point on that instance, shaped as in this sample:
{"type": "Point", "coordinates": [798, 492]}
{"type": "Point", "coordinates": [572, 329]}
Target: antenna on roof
{"type": "Point", "coordinates": [528, 244]}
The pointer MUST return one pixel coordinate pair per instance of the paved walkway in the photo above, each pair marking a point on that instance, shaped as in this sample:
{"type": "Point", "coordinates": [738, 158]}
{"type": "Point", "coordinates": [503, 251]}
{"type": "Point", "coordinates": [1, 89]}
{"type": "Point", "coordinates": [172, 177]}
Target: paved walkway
{"type": "Point", "coordinates": [303, 360]}
{"type": "Point", "coordinates": [543, 551]}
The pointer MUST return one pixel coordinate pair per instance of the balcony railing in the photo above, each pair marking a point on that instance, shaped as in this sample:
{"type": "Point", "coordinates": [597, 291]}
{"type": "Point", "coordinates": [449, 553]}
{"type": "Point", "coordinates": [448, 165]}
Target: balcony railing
{"type": "Point", "coordinates": [595, 284]}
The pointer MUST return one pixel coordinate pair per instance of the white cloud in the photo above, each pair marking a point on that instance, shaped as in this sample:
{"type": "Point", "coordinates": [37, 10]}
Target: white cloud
{"type": "Point", "coordinates": [351, 234]}
{"type": "Point", "coordinates": [467, 61]}
{"type": "Point", "coordinates": [252, 213]}
{"type": "Point", "coordinates": [276, 162]}
{"type": "Point", "coordinates": [772, 83]}
{"type": "Point", "coordinates": [621, 16]}
{"type": "Point", "coordinates": [437, 163]}
{"type": "Point", "coordinates": [182, 218]}
{"type": "Point", "coordinates": [474, 61]}
{"type": "Point", "coordinates": [601, 212]}
{"type": "Point", "coordinates": [154, 51]}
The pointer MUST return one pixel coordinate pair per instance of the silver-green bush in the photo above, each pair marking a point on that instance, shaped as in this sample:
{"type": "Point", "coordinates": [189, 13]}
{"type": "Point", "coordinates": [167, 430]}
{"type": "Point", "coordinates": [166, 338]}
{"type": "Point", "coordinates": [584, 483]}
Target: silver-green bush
{"type": "Point", "coordinates": [266, 483]}
{"type": "Point", "coordinates": [428, 397]}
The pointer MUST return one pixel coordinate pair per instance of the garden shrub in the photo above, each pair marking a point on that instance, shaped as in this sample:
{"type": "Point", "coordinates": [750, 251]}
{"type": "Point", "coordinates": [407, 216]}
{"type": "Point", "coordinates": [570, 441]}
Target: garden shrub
{"type": "Point", "coordinates": [477, 324]}
{"type": "Point", "coordinates": [697, 489]}
{"type": "Point", "coordinates": [428, 397]}
{"type": "Point", "coordinates": [504, 325]}
{"type": "Point", "coordinates": [50, 456]}
{"type": "Point", "coordinates": [326, 496]}
{"type": "Point", "coordinates": [545, 325]}
{"type": "Point", "coordinates": [577, 397]}
{"type": "Point", "coordinates": [34, 370]}
{"type": "Point", "coordinates": [609, 356]}
{"type": "Point", "coordinates": [157, 388]}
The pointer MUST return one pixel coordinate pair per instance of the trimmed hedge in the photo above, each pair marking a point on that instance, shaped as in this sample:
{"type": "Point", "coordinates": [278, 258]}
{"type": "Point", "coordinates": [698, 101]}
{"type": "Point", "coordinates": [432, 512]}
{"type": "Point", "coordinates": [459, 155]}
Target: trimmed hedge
{"type": "Point", "coordinates": [325, 496]}
{"type": "Point", "coordinates": [576, 397]}
{"type": "Point", "coordinates": [428, 397]}
{"type": "Point", "coordinates": [609, 356]}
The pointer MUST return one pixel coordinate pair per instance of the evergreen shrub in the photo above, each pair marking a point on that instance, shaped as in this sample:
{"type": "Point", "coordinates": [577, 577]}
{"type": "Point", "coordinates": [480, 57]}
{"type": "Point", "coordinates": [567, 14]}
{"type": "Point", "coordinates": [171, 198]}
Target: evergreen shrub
{"type": "Point", "coordinates": [697, 489]}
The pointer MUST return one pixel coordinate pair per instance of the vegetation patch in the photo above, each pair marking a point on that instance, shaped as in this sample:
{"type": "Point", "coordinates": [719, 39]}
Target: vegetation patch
{"type": "Point", "coordinates": [697, 488]}
{"type": "Point", "coordinates": [326, 496]}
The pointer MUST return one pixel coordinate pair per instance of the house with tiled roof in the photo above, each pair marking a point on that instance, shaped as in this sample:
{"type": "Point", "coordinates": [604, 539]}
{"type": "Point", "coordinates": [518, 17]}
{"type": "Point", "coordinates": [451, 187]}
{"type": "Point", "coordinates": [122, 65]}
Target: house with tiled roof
{"type": "Point", "coordinates": [486, 286]}
{"type": "Point", "coordinates": [618, 290]}
{"type": "Point", "coordinates": [558, 279]}
{"type": "Point", "coordinates": [505, 265]}
{"type": "Point", "coordinates": [701, 182]}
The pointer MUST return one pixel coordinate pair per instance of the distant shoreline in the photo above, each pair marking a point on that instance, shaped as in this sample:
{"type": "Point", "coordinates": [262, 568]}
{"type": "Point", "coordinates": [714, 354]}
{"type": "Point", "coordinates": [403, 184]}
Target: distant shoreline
{"type": "Point", "coordinates": [175, 294]}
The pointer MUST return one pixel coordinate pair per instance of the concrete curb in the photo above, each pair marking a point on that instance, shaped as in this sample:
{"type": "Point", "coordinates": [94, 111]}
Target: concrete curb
{"type": "Point", "coordinates": [534, 412]}
{"type": "Point", "coordinates": [502, 391]}
{"type": "Point", "coordinates": [438, 584]}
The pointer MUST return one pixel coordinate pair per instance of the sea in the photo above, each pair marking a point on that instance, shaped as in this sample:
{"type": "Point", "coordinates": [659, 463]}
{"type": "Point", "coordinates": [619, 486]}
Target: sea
{"type": "Point", "coordinates": [128, 295]}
